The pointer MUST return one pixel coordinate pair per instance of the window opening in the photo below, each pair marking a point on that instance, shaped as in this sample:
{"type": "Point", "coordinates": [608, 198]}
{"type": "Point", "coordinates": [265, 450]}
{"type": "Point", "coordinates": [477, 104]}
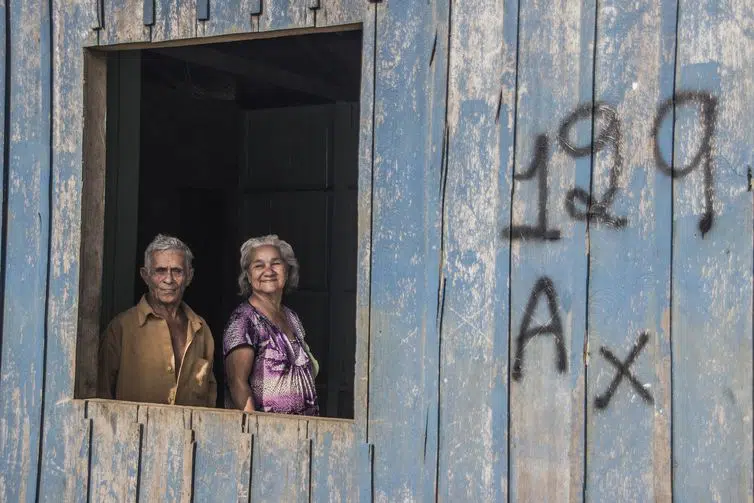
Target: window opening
{"type": "Point", "coordinates": [218, 143]}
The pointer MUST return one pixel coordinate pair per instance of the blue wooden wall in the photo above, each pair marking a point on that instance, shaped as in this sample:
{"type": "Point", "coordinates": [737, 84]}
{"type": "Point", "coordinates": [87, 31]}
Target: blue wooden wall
{"type": "Point", "coordinates": [556, 237]}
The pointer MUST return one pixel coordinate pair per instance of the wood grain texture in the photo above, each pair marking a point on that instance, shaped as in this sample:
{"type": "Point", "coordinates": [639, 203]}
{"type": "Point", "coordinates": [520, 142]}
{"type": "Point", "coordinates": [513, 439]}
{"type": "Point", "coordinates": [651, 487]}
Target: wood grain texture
{"type": "Point", "coordinates": [220, 474]}
{"type": "Point", "coordinates": [339, 12]}
{"type": "Point", "coordinates": [164, 461]}
{"type": "Point", "coordinates": [282, 450]}
{"type": "Point", "coordinates": [4, 61]}
{"type": "Point", "coordinates": [547, 401]}
{"type": "Point", "coordinates": [67, 434]}
{"type": "Point", "coordinates": [474, 301]}
{"type": "Point", "coordinates": [364, 224]}
{"type": "Point", "coordinates": [92, 228]}
{"type": "Point", "coordinates": [227, 17]}
{"type": "Point", "coordinates": [337, 462]}
{"type": "Point", "coordinates": [712, 272]}
{"type": "Point", "coordinates": [174, 20]}
{"type": "Point", "coordinates": [628, 441]}
{"type": "Point", "coordinates": [410, 91]}
{"type": "Point", "coordinates": [27, 247]}
{"type": "Point", "coordinates": [115, 451]}
{"type": "Point", "coordinates": [285, 15]}
{"type": "Point", "coordinates": [123, 23]}
{"type": "Point", "coordinates": [79, 486]}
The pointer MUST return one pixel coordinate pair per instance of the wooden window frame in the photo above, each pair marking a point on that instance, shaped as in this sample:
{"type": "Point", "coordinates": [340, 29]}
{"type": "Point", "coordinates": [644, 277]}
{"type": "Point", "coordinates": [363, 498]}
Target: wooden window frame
{"type": "Point", "coordinates": [92, 224]}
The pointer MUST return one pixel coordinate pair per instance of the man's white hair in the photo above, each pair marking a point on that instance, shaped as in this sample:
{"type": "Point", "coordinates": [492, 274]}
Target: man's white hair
{"type": "Point", "coordinates": [162, 242]}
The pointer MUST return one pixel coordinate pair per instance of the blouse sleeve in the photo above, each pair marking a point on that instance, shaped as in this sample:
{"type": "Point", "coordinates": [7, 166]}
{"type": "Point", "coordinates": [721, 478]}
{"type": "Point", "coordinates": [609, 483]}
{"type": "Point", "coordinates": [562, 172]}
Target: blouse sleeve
{"type": "Point", "coordinates": [240, 331]}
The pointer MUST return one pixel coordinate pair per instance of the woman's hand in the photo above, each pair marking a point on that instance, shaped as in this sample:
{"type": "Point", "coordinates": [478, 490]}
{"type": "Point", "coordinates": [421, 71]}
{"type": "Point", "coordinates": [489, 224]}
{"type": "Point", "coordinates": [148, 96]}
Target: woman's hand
{"type": "Point", "coordinates": [238, 365]}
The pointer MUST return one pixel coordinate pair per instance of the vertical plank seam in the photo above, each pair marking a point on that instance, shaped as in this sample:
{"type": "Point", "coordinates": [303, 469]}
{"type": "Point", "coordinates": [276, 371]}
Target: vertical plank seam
{"type": "Point", "coordinates": [592, 162]}
{"type": "Point", "coordinates": [371, 230]}
{"type": "Point", "coordinates": [88, 440]}
{"type": "Point", "coordinates": [97, 31]}
{"type": "Point", "coordinates": [439, 390]}
{"type": "Point", "coordinates": [89, 454]}
{"type": "Point", "coordinates": [442, 284]}
{"type": "Point", "coordinates": [191, 459]}
{"type": "Point", "coordinates": [50, 200]}
{"type": "Point", "coordinates": [148, 14]}
{"type": "Point", "coordinates": [254, 445]}
{"type": "Point", "coordinates": [189, 456]}
{"type": "Point", "coordinates": [100, 18]}
{"type": "Point", "coordinates": [672, 249]}
{"type": "Point", "coordinates": [310, 451]}
{"type": "Point", "coordinates": [440, 313]}
{"type": "Point", "coordinates": [6, 171]}
{"type": "Point", "coordinates": [202, 11]}
{"type": "Point", "coordinates": [139, 450]}
{"type": "Point", "coordinates": [371, 472]}
{"type": "Point", "coordinates": [510, 243]}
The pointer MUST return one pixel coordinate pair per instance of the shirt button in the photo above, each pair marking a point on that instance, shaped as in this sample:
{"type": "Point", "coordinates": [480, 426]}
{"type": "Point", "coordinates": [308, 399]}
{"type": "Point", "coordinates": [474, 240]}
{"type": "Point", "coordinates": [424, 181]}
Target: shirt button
{"type": "Point", "coordinates": [170, 370]}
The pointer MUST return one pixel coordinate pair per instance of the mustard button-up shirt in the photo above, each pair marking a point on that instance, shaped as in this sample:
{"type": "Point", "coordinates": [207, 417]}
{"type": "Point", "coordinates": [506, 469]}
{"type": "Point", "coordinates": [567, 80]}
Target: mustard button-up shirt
{"type": "Point", "coordinates": [137, 363]}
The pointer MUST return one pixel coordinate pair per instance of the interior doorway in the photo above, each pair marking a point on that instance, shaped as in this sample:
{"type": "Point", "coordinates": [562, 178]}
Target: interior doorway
{"type": "Point", "coordinates": [218, 143]}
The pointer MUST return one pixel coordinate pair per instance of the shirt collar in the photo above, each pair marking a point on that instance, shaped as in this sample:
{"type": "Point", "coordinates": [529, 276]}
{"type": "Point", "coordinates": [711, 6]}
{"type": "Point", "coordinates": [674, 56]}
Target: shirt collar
{"type": "Point", "coordinates": [144, 310]}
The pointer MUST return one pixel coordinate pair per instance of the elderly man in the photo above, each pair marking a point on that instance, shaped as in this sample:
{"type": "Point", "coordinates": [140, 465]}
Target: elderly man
{"type": "Point", "coordinates": [159, 351]}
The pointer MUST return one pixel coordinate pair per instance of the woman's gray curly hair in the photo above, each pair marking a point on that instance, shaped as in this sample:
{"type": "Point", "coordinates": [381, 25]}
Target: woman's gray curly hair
{"type": "Point", "coordinates": [286, 253]}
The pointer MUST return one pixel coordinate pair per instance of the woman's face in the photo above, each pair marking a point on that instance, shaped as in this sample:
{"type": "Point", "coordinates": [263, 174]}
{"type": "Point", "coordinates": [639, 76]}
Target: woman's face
{"type": "Point", "coordinates": [267, 271]}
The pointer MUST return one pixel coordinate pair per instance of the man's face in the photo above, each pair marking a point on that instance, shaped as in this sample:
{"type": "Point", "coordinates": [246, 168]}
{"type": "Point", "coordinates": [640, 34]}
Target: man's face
{"type": "Point", "coordinates": [168, 277]}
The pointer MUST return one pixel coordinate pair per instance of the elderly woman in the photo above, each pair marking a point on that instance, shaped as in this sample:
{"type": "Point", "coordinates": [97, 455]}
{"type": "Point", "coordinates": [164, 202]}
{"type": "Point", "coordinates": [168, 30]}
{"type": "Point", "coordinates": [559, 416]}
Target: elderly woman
{"type": "Point", "coordinates": [268, 363]}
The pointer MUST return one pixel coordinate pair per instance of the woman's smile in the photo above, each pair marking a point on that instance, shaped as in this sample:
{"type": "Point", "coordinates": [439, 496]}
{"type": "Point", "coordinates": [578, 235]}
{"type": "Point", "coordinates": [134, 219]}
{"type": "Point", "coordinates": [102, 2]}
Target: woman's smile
{"type": "Point", "coordinates": [267, 271]}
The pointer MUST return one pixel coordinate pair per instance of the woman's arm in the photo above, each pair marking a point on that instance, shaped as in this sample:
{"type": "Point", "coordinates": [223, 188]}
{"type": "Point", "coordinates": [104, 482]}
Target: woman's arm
{"type": "Point", "coordinates": [238, 366]}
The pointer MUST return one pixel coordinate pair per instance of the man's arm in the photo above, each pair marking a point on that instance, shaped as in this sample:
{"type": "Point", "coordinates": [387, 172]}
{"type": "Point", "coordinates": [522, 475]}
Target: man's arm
{"type": "Point", "coordinates": [109, 362]}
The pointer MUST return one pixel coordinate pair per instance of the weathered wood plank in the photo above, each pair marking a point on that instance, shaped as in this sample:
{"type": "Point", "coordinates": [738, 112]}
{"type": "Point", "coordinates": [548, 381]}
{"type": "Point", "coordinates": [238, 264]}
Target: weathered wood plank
{"type": "Point", "coordinates": [65, 458]}
{"type": "Point", "coordinates": [91, 230]}
{"type": "Point", "coordinates": [410, 88]}
{"type": "Point", "coordinates": [335, 12]}
{"type": "Point", "coordinates": [628, 300]}
{"type": "Point", "coordinates": [628, 436]}
{"type": "Point", "coordinates": [80, 478]}
{"type": "Point", "coordinates": [174, 20]}
{"type": "Point", "coordinates": [115, 451]}
{"type": "Point", "coordinates": [167, 454]}
{"type": "Point", "coordinates": [26, 242]}
{"type": "Point", "coordinates": [227, 17]}
{"type": "Point", "coordinates": [285, 15]}
{"type": "Point", "coordinates": [337, 462]}
{"type": "Point", "coordinates": [364, 225]}
{"type": "Point", "coordinates": [221, 474]}
{"type": "Point", "coordinates": [548, 264]}
{"type": "Point", "coordinates": [282, 453]}
{"type": "Point", "coordinates": [246, 449]}
{"type": "Point", "coordinates": [712, 253]}
{"type": "Point", "coordinates": [123, 22]}
{"type": "Point", "coordinates": [3, 88]}
{"type": "Point", "coordinates": [474, 312]}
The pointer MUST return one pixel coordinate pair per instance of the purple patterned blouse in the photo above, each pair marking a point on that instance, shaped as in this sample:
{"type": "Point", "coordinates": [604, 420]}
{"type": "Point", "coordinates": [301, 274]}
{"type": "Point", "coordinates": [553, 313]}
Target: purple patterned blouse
{"type": "Point", "coordinates": [281, 378]}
